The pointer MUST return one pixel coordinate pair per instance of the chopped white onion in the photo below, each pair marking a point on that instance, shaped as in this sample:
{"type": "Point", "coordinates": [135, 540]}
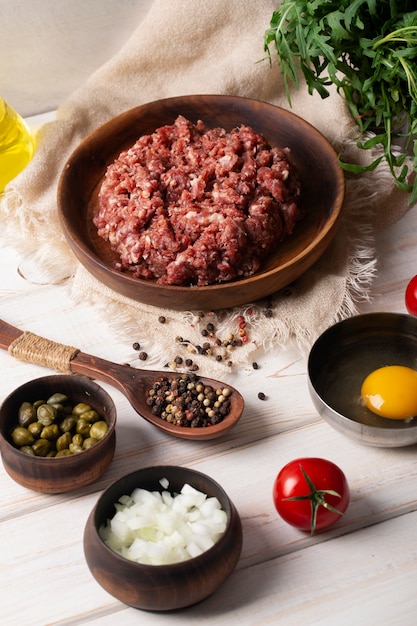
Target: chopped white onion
{"type": "Point", "coordinates": [158, 528]}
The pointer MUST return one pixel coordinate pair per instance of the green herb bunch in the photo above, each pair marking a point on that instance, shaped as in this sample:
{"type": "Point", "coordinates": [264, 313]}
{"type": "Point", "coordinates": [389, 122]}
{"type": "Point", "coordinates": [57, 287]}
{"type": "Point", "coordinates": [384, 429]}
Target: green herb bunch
{"type": "Point", "coordinates": [368, 49]}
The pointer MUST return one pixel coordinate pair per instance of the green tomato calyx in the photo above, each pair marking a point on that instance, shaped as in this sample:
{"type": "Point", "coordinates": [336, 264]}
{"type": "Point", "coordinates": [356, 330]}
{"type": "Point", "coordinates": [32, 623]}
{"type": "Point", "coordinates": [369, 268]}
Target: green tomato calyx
{"type": "Point", "coordinates": [317, 498]}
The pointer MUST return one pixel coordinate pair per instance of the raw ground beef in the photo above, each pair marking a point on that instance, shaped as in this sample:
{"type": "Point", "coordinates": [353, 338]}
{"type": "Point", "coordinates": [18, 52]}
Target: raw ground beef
{"type": "Point", "coordinates": [188, 205]}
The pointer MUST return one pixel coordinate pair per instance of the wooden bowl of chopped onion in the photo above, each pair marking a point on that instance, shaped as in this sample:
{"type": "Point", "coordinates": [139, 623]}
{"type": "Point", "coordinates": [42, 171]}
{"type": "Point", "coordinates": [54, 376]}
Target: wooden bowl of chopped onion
{"type": "Point", "coordinates": [57, 433]}
{"type": "Point", "coordinates": [209, 235]}
{"type": "Point", "coordinates": [163, 538]}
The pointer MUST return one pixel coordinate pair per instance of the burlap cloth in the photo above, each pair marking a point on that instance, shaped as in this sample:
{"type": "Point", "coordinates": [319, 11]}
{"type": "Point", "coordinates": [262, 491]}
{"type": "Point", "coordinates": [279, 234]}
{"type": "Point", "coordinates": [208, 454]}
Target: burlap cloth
{"type": "Point", "coordinates": [189, 47]}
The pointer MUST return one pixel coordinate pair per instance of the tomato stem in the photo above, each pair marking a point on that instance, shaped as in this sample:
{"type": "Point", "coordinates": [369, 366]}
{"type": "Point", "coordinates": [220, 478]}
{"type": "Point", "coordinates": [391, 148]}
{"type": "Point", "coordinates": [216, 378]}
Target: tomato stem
{"type": "Point", "coordinates": [317, 498]}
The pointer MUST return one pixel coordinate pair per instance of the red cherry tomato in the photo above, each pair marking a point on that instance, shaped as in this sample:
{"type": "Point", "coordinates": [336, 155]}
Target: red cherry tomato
{"type": "Point", "coordinates": [311, 493]}
{"type": "Point", "coordinates": [411, 296]}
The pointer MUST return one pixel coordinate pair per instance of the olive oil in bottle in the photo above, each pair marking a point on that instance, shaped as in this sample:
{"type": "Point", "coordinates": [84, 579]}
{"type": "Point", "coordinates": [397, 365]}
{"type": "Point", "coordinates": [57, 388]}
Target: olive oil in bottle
{"type": "Point", "coordinates": [16, 144]}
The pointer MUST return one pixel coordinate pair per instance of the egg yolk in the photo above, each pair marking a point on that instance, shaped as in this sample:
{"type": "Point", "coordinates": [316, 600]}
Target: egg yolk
{"type": "Point", "coordinates": [391, 392]}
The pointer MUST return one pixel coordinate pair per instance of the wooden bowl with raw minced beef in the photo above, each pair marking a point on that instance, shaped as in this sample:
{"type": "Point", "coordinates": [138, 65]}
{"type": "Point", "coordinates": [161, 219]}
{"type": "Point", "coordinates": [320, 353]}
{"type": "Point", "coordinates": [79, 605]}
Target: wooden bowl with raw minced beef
{"type": "Point", "coordinates": [201, 202]}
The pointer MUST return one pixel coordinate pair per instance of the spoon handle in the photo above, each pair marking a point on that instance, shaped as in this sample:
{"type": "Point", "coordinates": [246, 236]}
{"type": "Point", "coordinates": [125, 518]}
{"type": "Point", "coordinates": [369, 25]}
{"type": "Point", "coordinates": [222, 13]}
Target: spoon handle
{"type": "Point", "coordinates": [70, 359]}
{"type": "Point", "coordinates": [8, 334]}
{"type": "Point", "coordinates": [129, 380]}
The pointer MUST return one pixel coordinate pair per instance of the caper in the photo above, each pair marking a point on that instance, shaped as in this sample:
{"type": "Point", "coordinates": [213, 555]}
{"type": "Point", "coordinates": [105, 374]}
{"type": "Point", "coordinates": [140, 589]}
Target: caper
{"type": "Point", "coordinates": [90, 416]}
{"type": "Point", "coordinates": [50, 432]}
{"type": "Point", "coordinates": [35, 428]}
{"type": "Point", "coordinates": [55, 428]}
{"type": "Point", "coordinates": [57, 398]}
{"type": "Point", "coordinates": [63, 452]}
{"type": "Point", "coordinates": [89, 442]}
{"type": "Point", "coordinates": [60, 412]}
{"type": "Point", "coordinates": [80, 408]}
{"type": "Point", "coordinates": [63, 442]}
{"type": "Point", "coordinates": [42, 447]}
{"type": "Point", "coordinates": [46, 414]}
{"type": "Point", "coordinates": [82, 427]}
{"type": "Point", "coordinates": [99, 429]}
{"type": "Point", "coordinates": [68, 423]}
{"type": "Point", "coordinates": [22, 436]}
{"type": "Point", "coordinates": [27, 450]}
{"type": "Point", "coordinates": [78, 439]}
{"type": "Point", "coordinates": [27, 414]}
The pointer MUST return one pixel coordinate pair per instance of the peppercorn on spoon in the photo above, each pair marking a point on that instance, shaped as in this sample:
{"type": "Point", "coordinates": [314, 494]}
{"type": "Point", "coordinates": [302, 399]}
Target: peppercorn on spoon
{"type": "Point", "coordinates": [132, 382]}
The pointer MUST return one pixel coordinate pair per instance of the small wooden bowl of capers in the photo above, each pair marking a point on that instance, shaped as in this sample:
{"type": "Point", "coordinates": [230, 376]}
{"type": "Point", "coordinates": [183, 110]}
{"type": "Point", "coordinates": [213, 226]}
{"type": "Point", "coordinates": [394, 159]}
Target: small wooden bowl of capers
{"type": "Point", "coordinates": [57, 433]}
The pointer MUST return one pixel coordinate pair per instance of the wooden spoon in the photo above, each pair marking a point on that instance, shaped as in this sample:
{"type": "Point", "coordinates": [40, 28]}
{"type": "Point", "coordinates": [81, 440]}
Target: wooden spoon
{"type": "Point", "coordinates": [134, 384]}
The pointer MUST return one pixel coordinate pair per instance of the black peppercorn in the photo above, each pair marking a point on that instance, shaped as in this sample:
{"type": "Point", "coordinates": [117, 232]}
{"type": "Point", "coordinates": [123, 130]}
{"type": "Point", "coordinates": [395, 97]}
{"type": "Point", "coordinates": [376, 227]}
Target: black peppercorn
{"type": "Point", "coordinates": [185, 401]}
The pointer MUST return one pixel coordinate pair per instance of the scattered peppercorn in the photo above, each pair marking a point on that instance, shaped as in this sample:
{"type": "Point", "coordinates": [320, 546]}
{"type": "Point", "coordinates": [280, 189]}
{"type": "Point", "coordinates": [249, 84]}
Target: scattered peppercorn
{"type": "Point", "coordinates": [261, 396]}
{"type": "Point", "coordinates": [206, 348]}
{"type": "Point", "coordinates": [143, 356]}
{"type": "Point", "coordinates": [255, 365]}
{"type": "Point", "coordinates": [162, 319]}
{"type": "Point", "coordinates": [136, 346]}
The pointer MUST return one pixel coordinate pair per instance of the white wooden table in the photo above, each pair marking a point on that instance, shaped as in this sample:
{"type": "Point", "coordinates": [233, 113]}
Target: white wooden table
{"type": "Point", "coordinates": [362, 572]}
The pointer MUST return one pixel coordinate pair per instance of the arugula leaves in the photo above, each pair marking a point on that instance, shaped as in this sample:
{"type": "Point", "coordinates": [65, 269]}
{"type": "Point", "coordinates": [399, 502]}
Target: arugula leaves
{"type": "Point", "coordinates": [368, 49]}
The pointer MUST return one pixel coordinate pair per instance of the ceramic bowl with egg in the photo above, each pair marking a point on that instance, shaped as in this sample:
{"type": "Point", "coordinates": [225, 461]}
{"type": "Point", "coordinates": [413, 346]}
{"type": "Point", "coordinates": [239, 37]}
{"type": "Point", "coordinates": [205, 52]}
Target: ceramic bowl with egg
{"type": "Point", "coordinates": [30, 431]}
{"type": "Point", "coordinates": [149, 570]}
{"type": "Point", "coordinates": [373, 347]}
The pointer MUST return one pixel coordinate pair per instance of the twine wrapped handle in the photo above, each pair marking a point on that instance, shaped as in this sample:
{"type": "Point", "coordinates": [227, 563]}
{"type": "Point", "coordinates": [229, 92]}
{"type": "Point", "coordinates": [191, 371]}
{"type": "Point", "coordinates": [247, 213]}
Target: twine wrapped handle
{"type": "Point", "coordinates": [34, 349]}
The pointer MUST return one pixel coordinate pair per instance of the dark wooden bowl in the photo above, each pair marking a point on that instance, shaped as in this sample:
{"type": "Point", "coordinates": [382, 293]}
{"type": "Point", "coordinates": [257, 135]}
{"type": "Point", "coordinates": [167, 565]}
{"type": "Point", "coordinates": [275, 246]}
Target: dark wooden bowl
{"type": "Point", "coordinates": [322, 196]}
{"type": "Point", "coordinates": [57, 475]}
{"type": "Point", "coordinates": [161, 587]}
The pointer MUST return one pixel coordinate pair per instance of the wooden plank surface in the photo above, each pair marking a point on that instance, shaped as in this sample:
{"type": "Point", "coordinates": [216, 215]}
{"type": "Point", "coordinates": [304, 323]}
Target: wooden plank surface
{"type": "Point", "coordinates": [361, 572]}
